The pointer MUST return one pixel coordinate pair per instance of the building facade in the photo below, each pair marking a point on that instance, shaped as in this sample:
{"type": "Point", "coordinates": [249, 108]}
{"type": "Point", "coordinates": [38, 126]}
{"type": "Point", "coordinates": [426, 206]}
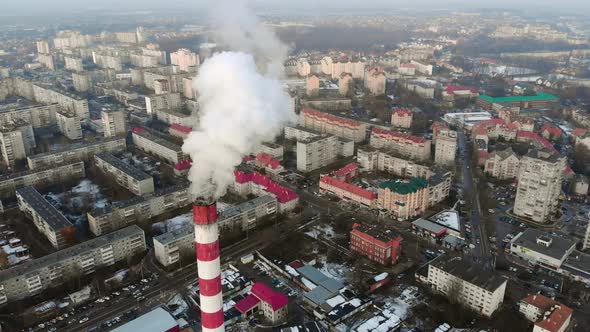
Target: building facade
{"type": "Point", "coordinates": [327, 123]}
{"type": "Point", "coordinates": [316, 152]}
{"type": "Point", "coordinates": [547, 315]}
{"type": "Point", "coordinates": [416, 148]}
{"type": "Point", "coordinates": [69, 124]}
{"type": "Point", "coordinates": [124, 174]}
{"type": "Point", "coordinates": [158, 146]}
{"type": "Point", "coordinates": [502, 165]}
{"type": "Point", "coordinates": [171, 247]}
{"type": "Point", "coordinates": [402, 118]}
{"type": "Point", "coordinates": [373, 160]}
{"type": "Point", "coordinates": [445, 148]}
{"type": "Point", "coordinates": [113, 123]}
{"type": "Point", "coordinates": [378, 244]}
{"type": "Point", "coordinates": [78, 153]}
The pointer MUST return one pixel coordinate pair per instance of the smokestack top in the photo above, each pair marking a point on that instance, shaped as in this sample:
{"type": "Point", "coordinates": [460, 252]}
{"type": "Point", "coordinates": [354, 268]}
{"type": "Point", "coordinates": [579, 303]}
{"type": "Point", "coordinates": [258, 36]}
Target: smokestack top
{"type": "Point", "coordinates": [204, 212]}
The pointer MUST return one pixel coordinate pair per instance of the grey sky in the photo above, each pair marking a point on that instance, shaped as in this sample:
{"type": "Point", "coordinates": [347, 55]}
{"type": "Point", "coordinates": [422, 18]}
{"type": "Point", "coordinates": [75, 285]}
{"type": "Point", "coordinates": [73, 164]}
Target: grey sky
{"type": "Point", "coordinates": [66, 6]}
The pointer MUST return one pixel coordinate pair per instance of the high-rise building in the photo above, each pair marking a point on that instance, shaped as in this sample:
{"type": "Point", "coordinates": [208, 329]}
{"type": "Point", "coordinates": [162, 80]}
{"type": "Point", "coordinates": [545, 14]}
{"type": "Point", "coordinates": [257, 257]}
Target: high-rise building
{"type": "Point", "coordinates": [316, 152]}
{"type": "Point", "coordinates": [113, 123]}
{"type": "Point", "coordinates": [69, 124]}
{"type": "Point", "coordinates": [73, 64]}
{"type": "Point", "coordinates": [375, 82]}
{"type": "Point", "coordinates": [445, 148]}
{"type": "Point", "coordinates": [312, 85]}
{"type": "Point", "coordinates": [502, 164]}
{"type": "Point", "coordinates": [17, 140]}
{"type": "Point", "coordinates": [82, 81]}
{"type": "Point", "coordinates": [161, 86]}
{"type": "Point", "coordinates": [540, 178]}
{"type": "Point", "coordinates": [586, 243]}
{"type": "Point", "coordinates": [42, 47]}
{"type": "Point", "coordinates": [185, 59]}
{"type": "Point", "coordinates": [413, 147]}
{"type": "Point", "coordinates": [345, 84]}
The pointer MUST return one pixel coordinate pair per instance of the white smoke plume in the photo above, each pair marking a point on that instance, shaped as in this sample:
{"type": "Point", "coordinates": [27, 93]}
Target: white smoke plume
{"type": "Point", "coordinates": [241, 103]}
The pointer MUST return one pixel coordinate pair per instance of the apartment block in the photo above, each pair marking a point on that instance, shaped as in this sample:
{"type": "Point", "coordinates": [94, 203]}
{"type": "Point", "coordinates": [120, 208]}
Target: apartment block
{"type": "Point", "coordinates": [126, 175]}
{"type": "Point", "coordinates": [171, 246]}
{"type": "Point", "coordinates": [316, 152]}
{"type": "Point", "coordinates": [586, 242]}
{"type": "Point", "coordinates": [69, 124]}
{"type": "Point", "coordinates": [82, 81]}
{"type": "Point", "coordinates": [347, 191]}
{"type": "Point", "coordinates": [274, 150]}
{"type": "Point", "coordinates": [445, 148]}
{"type": "Point", "coordinates": [171, 116]}
{"type": "Point", "coordinates": [76, 153]}
{"type": "Point", "coordinates": [372, 159]}
{"type": "Point", "coordinates": [327, 123]}
{"type": "Point", "coordinates": [246, 215]}
{"type": "Point", "coordinates": [502, 164]}
{"type": "Point", "coordinates": [46, 60]}
{"type": "Point", "coordinates": [540, 177]}
{"type": "Point", "coordinates": [34, 277]}
{"type": "Point", "coordinates": [67, 100]}
{"type": "Point", "coordinates": [402, 118]}
{"type": "Point", "coordinates": [42, 47]}
{"type": "Point", "coordinates": [17, 140]}
{"type": "Point", "coordinates": [113, 123]}
{"type": "Point", "coordinates": [547, 314]}
{"type": "Point", "coordinates": [73, 64]}
{"type": "Point", "coordinates": [465, 283]}
{"type": "Point", "coordinates": [380, 245]}
{"type": "Point", "coordinates": [375, 82]}
{"type": "Point", "coordinates": [170, 101]}
{"type": "Point", "coordinates": [9, 183]}
{"type": "Point", "coordinates": [38, 116]}
{"type": "Point", "coordinates": [158, 146]}
{"type": "Point", "coordinates": [124, 213]}
{"type": "Point", "coordinates": [416, 148]}
{"type": "Point", "coordinates": [185, 59]}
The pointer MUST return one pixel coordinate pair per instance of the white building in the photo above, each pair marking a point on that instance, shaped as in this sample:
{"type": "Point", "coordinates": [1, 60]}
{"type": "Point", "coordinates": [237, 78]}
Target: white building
{"type": "Point", "coordinates": [124, 174]}
{"type": "Point", "coordinates": [540, 248]}
{"type": "Point", "coordinates": [69, 124]}
{"type": "Point", "coordinates": [76, 153]}
{"type": "Point", "coordinates": [316, 152]}
{"type": "Point", "coordinates": [464, 283]}
{"type": "Point", "coordinates": [185, 59]}
{"type": "Point", "coordinates": [113, 123]}
{"type": "Point", "coordinates": [547, 315]}
{"type": "Point", "coordinates": [171, 247]}
{"type": "Point", "coordinates": [17, 140]}
{"type": "Point", "coordinates": [170, 101]}
{"type": "Point", "coordinates": [158, 146]}
{"type": "Point", "coordinates": [73, 64]}
{"type": "Point", "coordinates": [245, 216]}
{"type": "Point", "coordinates": [373, 160]}
{"type": "Point", "coordinates": [445, 148]}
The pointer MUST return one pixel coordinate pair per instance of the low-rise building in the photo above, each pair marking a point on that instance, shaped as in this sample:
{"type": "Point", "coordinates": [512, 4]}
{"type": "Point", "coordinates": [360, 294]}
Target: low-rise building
{"type": "Point", "coordinates": [347, 191]}
{"type": "Point", "coordinates": [124, 174]}
{"type": "Point", "coordinates": [9, 183]}
{"type": "Point", "coordinates": [375, 160]}
{"type": "Point", "coordinates": [465, 283]}
{"type": "Point", "coordinates": [35, 276]}
{"type": "Point", "coordinates": [171, 247]}
{"type": "Point", "coordinates": [540, 100]}
{"type": "Point", "coordinates": [541, 248]}
{"type": "Point", "coordinates": [580, 185]}
{"type": "Point", "coordinates": [69, 124]}
{"type": "Point", "coordinates": [274, 150]}
{"type": "Point", "coordinates": [82, 152]}
{"type": "Point", "coordinates": [502, 164]}
{"type": "Point", "coordinates": [245, 216]}
{"type": "Point", "coordinates": [381, 245]}
{"type": "Point", "coordinates": [548, 315]}
{"type": "Point", "coordinates": [158, 146]}
{"type": "Point", "coordinates": [417, 148]}
{"type": "Point", "coordinates": [124, 213]}
{"type": "Point", "coordinates": [262, 298]}
{"type": "Point", "coordinates": [48, 220]}
{"type": "Point", "coordinates": [248, 182]}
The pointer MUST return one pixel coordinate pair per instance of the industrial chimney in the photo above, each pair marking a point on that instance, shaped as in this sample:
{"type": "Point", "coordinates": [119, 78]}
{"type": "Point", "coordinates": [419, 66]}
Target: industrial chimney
{"type": "Point", "coordinates": [208, 265]}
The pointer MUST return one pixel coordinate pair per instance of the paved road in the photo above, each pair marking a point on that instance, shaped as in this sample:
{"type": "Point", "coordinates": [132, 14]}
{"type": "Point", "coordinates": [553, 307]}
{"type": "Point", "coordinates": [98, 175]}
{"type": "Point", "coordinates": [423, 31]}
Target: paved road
{"type": "Point", "coordinates": [481, 254]}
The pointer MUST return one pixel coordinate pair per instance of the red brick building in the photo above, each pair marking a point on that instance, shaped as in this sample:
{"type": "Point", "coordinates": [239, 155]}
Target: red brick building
{"type": "Point", "coordinates": [376, 243]}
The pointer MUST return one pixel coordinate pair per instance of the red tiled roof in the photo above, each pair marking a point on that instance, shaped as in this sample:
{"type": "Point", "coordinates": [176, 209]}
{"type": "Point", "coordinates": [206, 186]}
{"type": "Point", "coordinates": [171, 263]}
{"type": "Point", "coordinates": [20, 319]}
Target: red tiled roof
{"type": "Point", "coordinates": [268, 160]}
{"type": "Point", "coordinates": [248, 158]}
{"type": "Point", "coordinates": [247, 303]}
{"type": "Point", "coordinates": [351, 188]}
{"type": "Point", "coordinates": [330, 117]}
{"type": "Point", "coordinates": [402, 111]}
{"type": "Point", "coordinates": [397, 135]}
{"type": "Point", "coordinates": [296, 264]}
{"type": "Point", "coordinates": [180, 128]}
{"type": "Point", "coordinates": [579, 131]}
{"type": "Point", "coordinates": [552, 130]}
{"type": "Point", "coordinates": [344, 171]}
{"type": "Point", "coordinates": [407, 65]}
{"type": "Point", "coordinates": [182, 165]}
{"type": "Point", "coordinates": [559, 312]}
{"type": "Point", "coordinates": [451, 89]}
{"type": "Point", "coordinates": [137, 130]}
{"type": "Point", "coordinates": [283, 194]}
{"type": "Point", "coordinates": [266, 294]}
{"type": "Point", "coordinates": [439, 124]}
{"type": "Point", "coordinates": [535, 137]}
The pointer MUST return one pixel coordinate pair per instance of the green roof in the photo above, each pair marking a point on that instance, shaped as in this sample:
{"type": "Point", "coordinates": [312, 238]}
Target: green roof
{"type": "Point", "coordinates": [512, 99]}
{"type": "Point", "coordinates": [403, 187]}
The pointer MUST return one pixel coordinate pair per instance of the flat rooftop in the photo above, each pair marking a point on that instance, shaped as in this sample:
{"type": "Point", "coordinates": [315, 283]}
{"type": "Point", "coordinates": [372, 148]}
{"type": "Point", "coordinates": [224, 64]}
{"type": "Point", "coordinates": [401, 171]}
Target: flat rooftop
{"type": "Point", "coordinates": [174, 235]}
{"type": "Point", "coordinates": [540, 96]}
{"type": "Point", "coordinates": [75, 147]}
{"type": "Point", "coordinates": [123, 167]}
{"type": "Point", "coordinates": [55, 219]}
{"type": "Point", "coordinates": [558, 248]}
{"type": "Point", "coordinates": [466, 271]}
{"type": "Point", "coordinates": [157, 140]}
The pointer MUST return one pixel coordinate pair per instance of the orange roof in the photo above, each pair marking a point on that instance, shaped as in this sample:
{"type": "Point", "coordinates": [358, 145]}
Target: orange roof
{"type": "Point", "coordinates": [351, 188]}
{"type": "Point", "coordinates": [559, 313]}
{"type": "Point", "coordinates": [397, 135]}
{"type": "Point", "coordinates": [330, 117]}
{"type": "Point", "coordinates": [402, 111]}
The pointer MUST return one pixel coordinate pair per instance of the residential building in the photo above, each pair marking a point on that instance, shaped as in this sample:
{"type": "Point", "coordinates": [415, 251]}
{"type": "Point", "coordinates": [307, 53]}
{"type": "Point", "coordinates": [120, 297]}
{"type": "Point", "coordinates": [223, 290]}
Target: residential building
{"type": "Point", "coordinates": [124, 213]}
{"type": "Point", "coordinates": [374, 160]}
{"type": "Point", "coordinates": [380, 245]}
{"type": "Point", "coordinates": [82, 81]}
{"type": "Point", "coordinates": [9, 183]}
{"type": "Point", "coordinates": [245, 216]}
{"type": "Point", "coordinates": [465, 283]}
{"type": "Point", "coordinates": [274, 150]}
{"type": "Point", "coordinates": [502, 164]}
{"type": "Point", "coordinates": [542, 248]}
{"type": "Point", "coordinates": [345, 84]}
{"type": "Point", "coordinates": [73, 64]}
{"type": "Point", "coordinates": [178, 130]}
{"type": "Point", "coordinates": [46, 60]}
{"type": "Point", "coordinates": [42, 47]}
{"type": "Point", "coordinates": [327, 123]}
{"type": "Point", "coordinates": [347, 191]}
{"type": "Point", "coordinates": [580, 185]}
{"type": "Point", "coordinates": [67, 100]}
{"type": "Point", "coordinates": [422, 68]}
{"type": "Point", "coordinates": [316, 152]}
{"type": "Point", "coordinates": [445, 148]}
{"type": "Point", "coordinates": [38, 116]}
{"type": "Point", "coordinates": [113, 123]}
{"type": "Point", "coordinates": [247, 182]}
{"type": "Point", "coordinates": [124, 174]}
{"type": "Point", "coordinates": [416, 148]}
{"type": "Point", "coordinates": [540, 177]}
{"type": "Point", "coordinates": [17, 139]}
{"type": "Point", "coordinates": [404, 199]}
{"type": "Point", "coordinates": [171, 117]}
{"type": "Point", "coordinates": [69, 124]}
{"type": "Point", "coordinates": [402, 118]}
{"type": "Point", "coordinates": [375, 82]}
{"type": "Point", "coordinates": [540, 100]}
{"type": "Point", "coordinates": [271, 166]}
{"type": "Point", "coordinates": [48, 220]}
{"type": "Point", "coordinates": [272, 304]}
{"type": "Point", "coordinates": [312, 85]}
{"type": "Point", "coordinates": [156, 145]}
{"type": "Point", "coordinates": [185, 59]}
{"type": "Point", "coordinates": [171, 101]}
{"type": "Point", "coordinates": [76, 153]}
{"type": "Point", "coordinates": [586, 242]}
{"type": "Point", "coordinates": [161, 86]}
{"type": "Point", "coordinates": [547, 315]}
{"type": "Point", "coordinates": [171, 247]}
{"type": "Point", "coordinates": [35, 276]}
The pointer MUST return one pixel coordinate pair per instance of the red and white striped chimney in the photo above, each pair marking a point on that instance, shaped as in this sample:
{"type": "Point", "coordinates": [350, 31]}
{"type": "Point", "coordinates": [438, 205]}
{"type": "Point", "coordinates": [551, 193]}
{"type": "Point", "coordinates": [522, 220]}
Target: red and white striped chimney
{"type": "Point", "coordinates": [209, 267]}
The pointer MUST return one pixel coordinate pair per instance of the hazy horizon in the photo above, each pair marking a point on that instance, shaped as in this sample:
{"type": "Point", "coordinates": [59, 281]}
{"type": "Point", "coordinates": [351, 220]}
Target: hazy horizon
{"type": "Point", "coordinates": [325, 7]}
